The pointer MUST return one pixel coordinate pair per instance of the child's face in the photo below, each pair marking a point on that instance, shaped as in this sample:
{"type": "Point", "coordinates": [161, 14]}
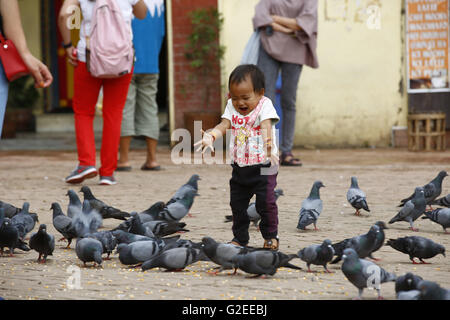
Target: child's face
{"type": "Point", "coordinates": [243, 96]}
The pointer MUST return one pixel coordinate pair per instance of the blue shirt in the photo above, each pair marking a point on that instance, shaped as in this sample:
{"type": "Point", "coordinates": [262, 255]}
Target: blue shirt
{"type": "Point", "coordinates": [148, 35]}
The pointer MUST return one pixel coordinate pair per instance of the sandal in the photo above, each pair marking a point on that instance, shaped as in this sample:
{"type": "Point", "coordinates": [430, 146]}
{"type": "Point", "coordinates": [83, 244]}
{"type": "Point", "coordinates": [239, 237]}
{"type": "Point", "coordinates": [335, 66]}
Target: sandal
{"type": "Point", "coordinates": [292, 162]}
{"type": "Point", "coordinates": [271, 244]}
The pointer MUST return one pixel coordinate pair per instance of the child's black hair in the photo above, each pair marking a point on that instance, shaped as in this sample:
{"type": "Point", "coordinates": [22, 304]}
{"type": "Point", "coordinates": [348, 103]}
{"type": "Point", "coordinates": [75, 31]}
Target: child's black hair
{"type": "Point", "coordinates": [242, 71]}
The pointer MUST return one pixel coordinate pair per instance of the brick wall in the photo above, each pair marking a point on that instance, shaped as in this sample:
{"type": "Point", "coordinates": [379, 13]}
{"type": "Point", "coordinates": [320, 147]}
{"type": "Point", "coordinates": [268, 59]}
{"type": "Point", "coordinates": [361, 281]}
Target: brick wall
{"type": "Point", "coordinates": [188, 91]}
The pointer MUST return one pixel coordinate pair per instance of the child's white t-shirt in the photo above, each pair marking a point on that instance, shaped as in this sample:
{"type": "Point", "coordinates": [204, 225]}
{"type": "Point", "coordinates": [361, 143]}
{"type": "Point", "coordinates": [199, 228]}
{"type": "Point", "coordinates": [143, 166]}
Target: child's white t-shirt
{"type": "Point", "coordinates": [87, 9]}
{"type": "Point", "coordinates": [256, 151]}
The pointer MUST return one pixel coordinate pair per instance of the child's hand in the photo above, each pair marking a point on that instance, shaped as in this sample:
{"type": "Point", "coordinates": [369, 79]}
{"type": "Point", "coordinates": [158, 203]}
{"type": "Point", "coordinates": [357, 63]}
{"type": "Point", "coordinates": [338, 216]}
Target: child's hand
{"type": "Point", "coordinates": [206, 142]}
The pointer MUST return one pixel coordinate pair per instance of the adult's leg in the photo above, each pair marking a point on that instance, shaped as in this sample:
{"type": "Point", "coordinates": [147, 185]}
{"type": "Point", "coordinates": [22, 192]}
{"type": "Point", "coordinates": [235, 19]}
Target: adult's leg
{"type": "Point", "coordinates": [127, 128]}
{"type": "Point", "coordinates": [85, 95]}
{"type": "Point", "coordinates": [3, 96]}
{"type": "Point", "coordinates": [114, 97]}
{"type": "Point", "coordinates": [270, 67]}
{"type": "Point", "coordinates": [147, 122]}
{"type": "Point", "coordinates": [290, 75]}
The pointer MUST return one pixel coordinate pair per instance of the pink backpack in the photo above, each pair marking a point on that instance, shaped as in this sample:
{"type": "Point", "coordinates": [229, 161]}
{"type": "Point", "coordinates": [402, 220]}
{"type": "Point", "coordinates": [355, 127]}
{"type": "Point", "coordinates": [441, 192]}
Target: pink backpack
{"type": "Point", "coordinates": [109, 46]}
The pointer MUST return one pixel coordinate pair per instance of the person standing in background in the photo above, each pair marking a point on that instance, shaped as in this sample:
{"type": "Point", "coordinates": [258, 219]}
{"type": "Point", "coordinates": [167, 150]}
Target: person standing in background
{"type": "Point", "coordinates": [11, 28]}
{"type": "Point", "coordinates": [288, 31]}
{"type": "Point", "coordinates": [86, 92]}
{"type": "Point", "coordinates": [140, 114]}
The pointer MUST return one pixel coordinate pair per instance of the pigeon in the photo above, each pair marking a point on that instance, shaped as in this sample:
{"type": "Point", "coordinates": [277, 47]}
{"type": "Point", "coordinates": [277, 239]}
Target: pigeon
{"type": "Point", "coordinates": [10, 210]}
{"type": "Point", "coordinates": [63, 224]}
{"type": "Point", "coordinates": [221, 253]}
{"type": "Point", "coordinates": [191, 186]}
{"type": "Point", "coordinates": [356, 197]}
{"type": "Point", "coordinates": [409, 295]}
{"type": "Point", "coordinates": [8, 234]}
{"type": "Point", "coordinates": [407, 282]}
{"type": "Point", "coordinates": [440, 216]}
{"type": "Point", "coordinates": [162, 228]}
{"type": "Point", "coordinates": [108, 240]}
{"type": "Point", "coordinates": [263, 262]}
{"type": "Point", "coordinates": [74, 203]}
{"type": "Point", "coordinates": [137, 227]}
{"type": "Point", "coordinates": [183, 243]}
{"type": "Point", "coordinates": [311, 207]}
{"type": "Point", "coordinates": [432, 291]}
{"type": "Point", "coordinates": [177, 210]}
{"type": "Point", "coordinates": [43, 243]}
{"type": "Point", "coordinates": [175, 259]}
{"type": "Point", "coordinates": [417, 247]}
{"type": "Point", "coordinates": [317, 254]}
{"type": "Point", "coordinates": [412, 209]}
{"type": "Point", "coordinates": [152, 212]}
{"type": "Point", "coordinates": [127, 237]}
{"type": "Point", "coordinates": [89, 250]}
{"type": "Point", "coordinates": [140, 251]}
{"type": "Point", "coordinates": [253, 215]}
{"type": "Point", "coordinates": [379, 242]}
{"type": "Point", "coordinates": [432, 190]}
{"type": "Point", "coordinates": [363, 244]}
{"type": "Point", "coordinates": [105, 210]}
{"type": "Point", "coordinates": [24, 221]}
{"type": "Point", "coordinates": [443, 202]}
{"type": "Point", "coordinates": [364, 273]}
{"type": "Point", "coordinates": [87, 220]}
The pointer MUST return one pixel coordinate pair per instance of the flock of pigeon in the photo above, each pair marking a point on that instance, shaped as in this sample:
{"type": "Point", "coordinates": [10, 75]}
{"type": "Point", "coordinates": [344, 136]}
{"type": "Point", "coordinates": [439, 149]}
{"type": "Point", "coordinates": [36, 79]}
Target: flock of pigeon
{"type": "Point", "coordinates": [147, 239]}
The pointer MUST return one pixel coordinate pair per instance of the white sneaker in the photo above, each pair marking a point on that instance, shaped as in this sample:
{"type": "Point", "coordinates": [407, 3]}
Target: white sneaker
{"type": "Point", "coordinates": [80, 173]}
{"type": "Point", "coordinates": [107, 181]}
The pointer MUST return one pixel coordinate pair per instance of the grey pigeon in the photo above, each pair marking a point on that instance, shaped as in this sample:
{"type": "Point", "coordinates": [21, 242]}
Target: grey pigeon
{"type": "Point", "coordinates": [139, 251]}
{"type": "Point", "coordinates": [177, 210]}
{"type": "Point", "coordinates": [364, 273]}
{"type": "Point", "coordinates": [87, 220]}
{"type": "Point", "coordinates": [430, 290]}
{"type": "Point", "coordinates": [108, 240]}
{"type": "Point", "coordinates": [407, 282]}
{"type": "Point", "coordinates": [252, 213]}
{"type": "Point", "coordinates": [363, 244]}
{"type": "Point", "coordinates": [137, 227]}
{"type": "Point", "coordinates": [412, 209]}
{"type": "Point", "coordinates": [263, 262]}
{"type": "Point", "coordinates": [105, 210]}
{"type": "Point", "coordinates": [409, 295]}
{"type": "Point", "coordinates": [432, 190]}
{"type": "Point", "coordinates": [175, 259]}
{"type": "Point", "coordinates": [127, 237]}
{"type": "Point", "coordinates": [311, 208]}
{"type": "Point", "coordinates": [221, 253]}
{"type": "Point", "coordinates": [440, 216]}
{"type": "Point", "coordinates": [183, 243]}
{"type": "Point", "coordinates": [74, 203]}
{"type": "Point", "coordinates": [443, 202]}
{"type": "Point", "coordinates": [63, 224]}
{"type": "Point", "coordinates": [8, 234]}
{"type": "Point", "coordinates": [317, 254]}
{"type": "Point", "coordinates": [356, 197]}
{"type": "Point", "coordinates": [24, 221]}
{"type": "Point", "coordinates": [151, 213]}
{"type": "Point", "coordinates": [89, 250]}
{"type": "Point", "coordinates": [10, 210]}
{"type": "Point", "coordinates": [379, 242]}
{"type": "Point", "coordinates": [417, 247]}
{"type": "Point", "coordinates": [190, 186]}
{"type": "Point", "coordinates": [162, 228]}
{"type": "Point", "coordinates": [43, 243]}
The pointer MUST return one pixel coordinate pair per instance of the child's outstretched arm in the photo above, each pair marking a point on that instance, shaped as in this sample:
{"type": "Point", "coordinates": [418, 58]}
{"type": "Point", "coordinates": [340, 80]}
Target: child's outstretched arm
{"type": "Point", "coordinates": [209, 137]}
{"type": "Point", "coordinates": [266, 131]}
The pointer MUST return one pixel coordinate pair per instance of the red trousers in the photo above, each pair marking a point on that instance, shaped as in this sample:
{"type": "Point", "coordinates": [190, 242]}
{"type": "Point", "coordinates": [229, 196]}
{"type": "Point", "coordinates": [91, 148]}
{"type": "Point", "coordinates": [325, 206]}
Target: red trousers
{"type": "Point", "coordinates": [86, 91]}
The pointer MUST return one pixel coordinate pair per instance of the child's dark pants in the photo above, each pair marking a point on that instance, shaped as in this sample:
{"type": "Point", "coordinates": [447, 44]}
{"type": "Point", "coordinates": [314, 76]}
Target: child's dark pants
{"type": "Point", "coordinates": [244, 183]}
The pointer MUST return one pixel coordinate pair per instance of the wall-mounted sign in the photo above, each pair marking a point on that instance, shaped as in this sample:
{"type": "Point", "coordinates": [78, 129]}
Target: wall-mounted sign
{"type": "Point", "coordinates": [427, 42]}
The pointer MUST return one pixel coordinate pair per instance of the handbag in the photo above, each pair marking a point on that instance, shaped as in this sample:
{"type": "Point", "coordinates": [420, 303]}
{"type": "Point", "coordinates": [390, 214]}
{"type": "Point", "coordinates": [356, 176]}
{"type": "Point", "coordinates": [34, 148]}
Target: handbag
{"type": "Point", "coordinates": [12, 61]}
{"type": "Point", "coordinates": [251, 51]}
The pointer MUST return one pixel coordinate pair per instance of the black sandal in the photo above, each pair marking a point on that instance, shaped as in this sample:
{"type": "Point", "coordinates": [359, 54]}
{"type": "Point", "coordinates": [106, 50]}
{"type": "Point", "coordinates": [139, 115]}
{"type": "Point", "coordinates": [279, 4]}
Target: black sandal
{"type": "Point", "coordinates": [292, 162]}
